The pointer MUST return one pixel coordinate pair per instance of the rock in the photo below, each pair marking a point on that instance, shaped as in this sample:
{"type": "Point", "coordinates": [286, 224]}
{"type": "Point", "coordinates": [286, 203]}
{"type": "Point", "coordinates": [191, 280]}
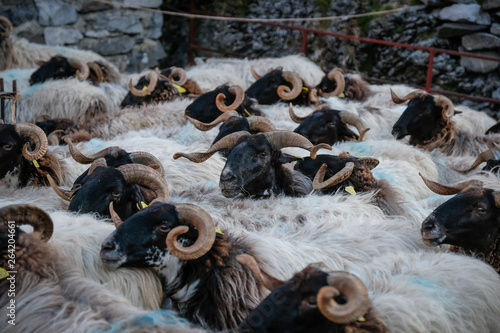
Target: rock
{"type": "Point", "coordinates": [128, 23]}
{"type": "Point", "coordinates": [94, 6]}
{"type": "Point", "coordinates": [449, 30]}
{"type": "Point", "coordinates": [419, 58]}
{"type": "Point", "coordinates": [112, 46]}
{"type": "Point", "coordinates": [490, 4]}
{"type": "Point", "coordinates": [97, 33]}
{"type": "Point", "coordinates": [480, 41]}
{"type": "Point", "coordinates": [495, 29]}
{"type": "Point", "coordinates": [155, 29]}
{"type": "Point", "coordinates": [479, 65]}
{"type": "Point", "coordinates": [61, 36]}
{"type": "Point", "coordinates": [468, 13]}
{"type": "Point", "coordinates": [144, 3]}
{"type": "Point", "coordinates": [20, 15]}
{"type": "Point", "coordinates": [496, 94]}
{"type": "Point", "coordinates": [55, 12]}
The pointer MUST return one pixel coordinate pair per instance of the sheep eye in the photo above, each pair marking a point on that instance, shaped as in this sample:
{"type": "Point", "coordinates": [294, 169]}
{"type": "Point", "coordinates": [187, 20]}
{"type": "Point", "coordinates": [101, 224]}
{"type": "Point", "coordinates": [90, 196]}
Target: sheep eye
{"type": "Point", "coordinates": [164, 228]}
{"type": "Point", "coordinates": [310, 302]}
{"type": "Point", "coordinates": [116, 195]}
{"type": "Point", "coordinates": [331, 125]}
{"type": "Point", "coordinates": [263, 154]}
{"type": "Point", "coordinates": [481, 210]}
{"type": "Point", "coordinates": [7, 147]}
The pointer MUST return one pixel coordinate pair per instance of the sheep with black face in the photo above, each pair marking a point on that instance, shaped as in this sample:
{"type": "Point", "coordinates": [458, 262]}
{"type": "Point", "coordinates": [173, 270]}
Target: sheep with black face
{"type": "Point", "coordinates": [427, 120]}
{"type": "Point", "coordinates": [325, 125]}
{"type": "Point", "coordinates": [19, 161]}
{"type": "Point", "coordinates": [59, 67]}
{"type": "Point", "coordinates": [255, 164]}
{"type": "Point", "coordinates": [470, 220]}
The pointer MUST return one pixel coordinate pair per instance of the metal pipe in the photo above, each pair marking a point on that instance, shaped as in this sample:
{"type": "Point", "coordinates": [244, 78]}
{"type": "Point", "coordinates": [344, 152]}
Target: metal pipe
{"type": "Point", "coordinates": [428, 82]}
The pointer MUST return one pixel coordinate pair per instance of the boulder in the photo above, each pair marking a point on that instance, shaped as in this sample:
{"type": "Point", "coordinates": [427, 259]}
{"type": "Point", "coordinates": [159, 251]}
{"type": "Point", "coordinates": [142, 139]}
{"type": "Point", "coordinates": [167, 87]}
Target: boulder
{"type": "Point", "coordinates": [480, 41]}
{"type": "Point", "coordinates": [112, 46]}
{"type": "Point", "coordinates": [479, 65]}
{"type": "Point", "coordinates": [61, 36]}
{"type": "Point", "coordinates": [55, 13]}
{"type": "Point", "coordinates": [467, 13]}
{"type": "Point", "coordinates": [490, 4]}
{"type": "Point", "coordinates": [449, 30]}
{"type": "Point", "coordinates": [495, 29]}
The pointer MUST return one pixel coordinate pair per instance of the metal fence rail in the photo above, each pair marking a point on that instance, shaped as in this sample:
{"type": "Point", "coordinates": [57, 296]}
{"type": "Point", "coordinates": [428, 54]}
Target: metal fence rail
{"type": "Point", "coordinates": [192, 46]}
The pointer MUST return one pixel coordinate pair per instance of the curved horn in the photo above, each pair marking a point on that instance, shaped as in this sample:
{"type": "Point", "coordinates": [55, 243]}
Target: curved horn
{"type": "Point", "coordinates": [337, 75]}
{"type": "Point", "coordinates": [117, 221]}
{"type": "Point", "coordinates": [398, 100]}
{"type": "Point", "coordinates": [63, 194]}
{"type": "Point", "coordinates": [294, 117]}
{"type": "Point", "coordinates": [268, 281]}
{"type": "Point", "coordinates": [284, 92]}
{"type": "Point", "coordinates": [82, 159]}
{"type": "Point", "coordinates": [354, 120]}
{"type": "Point", "coordinates": [352, 289]}
{"type": "Point", "coordinates": [254, 73]}
{"type": "Point", "coordinates": [145, 176]}
{"type": "Point", "coordinates": [485, 156]}
{"type": "Point", "coordinates": [6, 22]}
{"type": "Point", "coordinates": [226, 142]}
{"type": "Point", "coordinates": [97, 70]}
{"type": "Point", "coordinates": [38, 136]}
{"type": "Point", "coordinates": [145, 158]}
{"type": "Point", "coordinates": [370, 162]}
{"type": "Point", "coordinates": [54, 137]}
{"type": "Point", "coordinates": [97, 163]}
{"type": "Point", "coordinates": [180, 73]}
{"type": "Point", "coordinates": [337, 178]}
{"type": "Point", "coordinates": [449, 190]}
{"type": "Point", "coordinates": [152, 77]}
{"type": "Point", "coordinates": [25, 214]}
{"type": "Point", "coordinates": [261, 124]}
{"type": "Point", "coordinates": [446, 104]}
{"type": "Point", "coordinates": [208, 126]}
{"type": "Point", "coordinates": [202, 221]}
{"type": "Point", "coordinates": [239, 96]}
{"type": "Point", "coordinates": [282, 139]}
{"type": "Point", "coordinates": [82, 70]}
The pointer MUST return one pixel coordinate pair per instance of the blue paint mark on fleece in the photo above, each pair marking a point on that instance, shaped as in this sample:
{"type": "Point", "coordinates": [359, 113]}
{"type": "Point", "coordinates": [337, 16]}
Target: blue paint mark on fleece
{"type": "Point", "coordinates": [153, 319]}
{"type": "Point", "coordinates": [380, 174]}
{"type": "Point", "coordinates": [432, 286]}
{"type": "Point", "coordinates": [96, 144]}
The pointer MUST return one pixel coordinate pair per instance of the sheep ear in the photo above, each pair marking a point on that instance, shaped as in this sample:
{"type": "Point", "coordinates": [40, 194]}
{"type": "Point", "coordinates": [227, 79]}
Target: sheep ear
{"type": "Point", "coordinates": [496, 196]}
{"type": "Point", "coordinates": [40, 62]}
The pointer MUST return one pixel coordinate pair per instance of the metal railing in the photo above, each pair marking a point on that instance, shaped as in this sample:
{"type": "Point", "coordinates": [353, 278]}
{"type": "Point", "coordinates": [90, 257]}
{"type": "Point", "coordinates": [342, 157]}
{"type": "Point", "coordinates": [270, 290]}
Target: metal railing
{"type": "Point", "coordinates": [192, 46]}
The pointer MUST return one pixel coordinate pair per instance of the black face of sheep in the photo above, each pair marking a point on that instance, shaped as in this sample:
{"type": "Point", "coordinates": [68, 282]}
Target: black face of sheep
{"type": "Point", "coordinates": [328, 126]}
{"type": "Point", "coordinates": [10, 149]}
{"type": "Point", "coordinates": [314, 301]}
{"type": "Point", "coordinates": [210, 105]}
{"type": "Point", "coordinates": [471, 219]}
{"type": "Point", "coordinates": [332, 84]}
{"type": "Point", "coordinates": [493, 166]}
{"type": "Point", "coordinates": [59, 67]}
{"type": "Point", "coordinates": [494, 129]}
{"type": "Point", "coordinates": [425, 116]}
{"type": "Point", "coordinates": [147, 238]}
{"type": "Point", "coordinates": [275, 86]}
{"type": "Point", "coordinates": [150, 89]}
{"type": "Point", "coordinates": [103, 186]}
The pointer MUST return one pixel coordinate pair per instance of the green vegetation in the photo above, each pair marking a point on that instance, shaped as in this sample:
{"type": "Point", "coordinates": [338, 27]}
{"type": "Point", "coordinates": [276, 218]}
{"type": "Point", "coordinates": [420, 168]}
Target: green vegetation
{"type": "Point", "coordinates": [324, 6]}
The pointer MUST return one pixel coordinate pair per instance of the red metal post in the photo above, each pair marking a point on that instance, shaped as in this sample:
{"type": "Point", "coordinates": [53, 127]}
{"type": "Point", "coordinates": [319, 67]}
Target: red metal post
{"type": "Point", "coordinates": [428, 82]}
{"type": "Point", "coordinates": [191, 36]}
{"type": "Point", "coordinates": [303, 48]}
{"type": "Point", "coordinates": [2, 101]}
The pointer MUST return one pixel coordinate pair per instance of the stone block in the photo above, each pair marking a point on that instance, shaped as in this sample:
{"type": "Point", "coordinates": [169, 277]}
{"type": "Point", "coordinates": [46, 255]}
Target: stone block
{"type": "Point", "coordinates": [61, 36]}
{"type": "Point", "coordinates": [479, 65]}
{"type": "Point", "coordinates": [55, 13]}
{"type": "Point", "coordinates": [480, 41]}
{"type": "Point", "coordinates": [449, 30]}
{"type": "Point", "coordinates": [467, 13]}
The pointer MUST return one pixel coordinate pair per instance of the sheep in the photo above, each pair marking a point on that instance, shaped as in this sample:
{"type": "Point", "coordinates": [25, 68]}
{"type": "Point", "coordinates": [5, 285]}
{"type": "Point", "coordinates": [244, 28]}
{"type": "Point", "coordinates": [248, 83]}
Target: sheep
{"type": "Point", "coordinates": [22, 167]}
{"type": "Point", "coordinates": [52, 295]}
{"type": "Point", "coordinates": [442, 134]}
{"type": "Point", "coordinates": [207, 283]}
{"type": "Point", "coordinates": [409, 292]}
{"type": "Point", "coordinates": [468, 221]}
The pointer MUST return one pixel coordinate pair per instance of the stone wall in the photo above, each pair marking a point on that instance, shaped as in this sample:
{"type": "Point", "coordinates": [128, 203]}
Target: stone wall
{"type": "Point", "coordinates": [128, 38]}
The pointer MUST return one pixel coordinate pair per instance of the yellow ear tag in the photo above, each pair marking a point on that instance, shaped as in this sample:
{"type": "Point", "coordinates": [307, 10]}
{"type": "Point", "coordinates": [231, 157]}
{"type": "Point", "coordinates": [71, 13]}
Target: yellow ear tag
{"type": "Point", "coordinates": [217, 230]}
{"type": "Point", "coordinates": [141, 206]}
{"type": "Point", "coordinates": [144, 88]}
{"type": "Point", "coordinates": [342, 95]}
{"type": "Point", "coordinates": [3, 273]}
{"type": "Point", "coordinates": [180, 89]}
{"type": "Point", "coordinates": [361, 318]}
{"type": "Point", "coordinates": [350, 190]}
{"type": "Point", "coordinates": [298, 157]}
{"type": "Point", "coordinates": [305, 88]}
{"type": "Point", "coordinates": [248, 113]}
{"type": "Point", "coordinates": [35, 163]}
{"type": "Point", "coordinates": [71, 197]}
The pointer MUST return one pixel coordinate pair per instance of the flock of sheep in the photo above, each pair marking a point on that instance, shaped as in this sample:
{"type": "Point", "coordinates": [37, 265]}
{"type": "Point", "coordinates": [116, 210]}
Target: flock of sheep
{"type": "Point", "coordinates": [65, 285]}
